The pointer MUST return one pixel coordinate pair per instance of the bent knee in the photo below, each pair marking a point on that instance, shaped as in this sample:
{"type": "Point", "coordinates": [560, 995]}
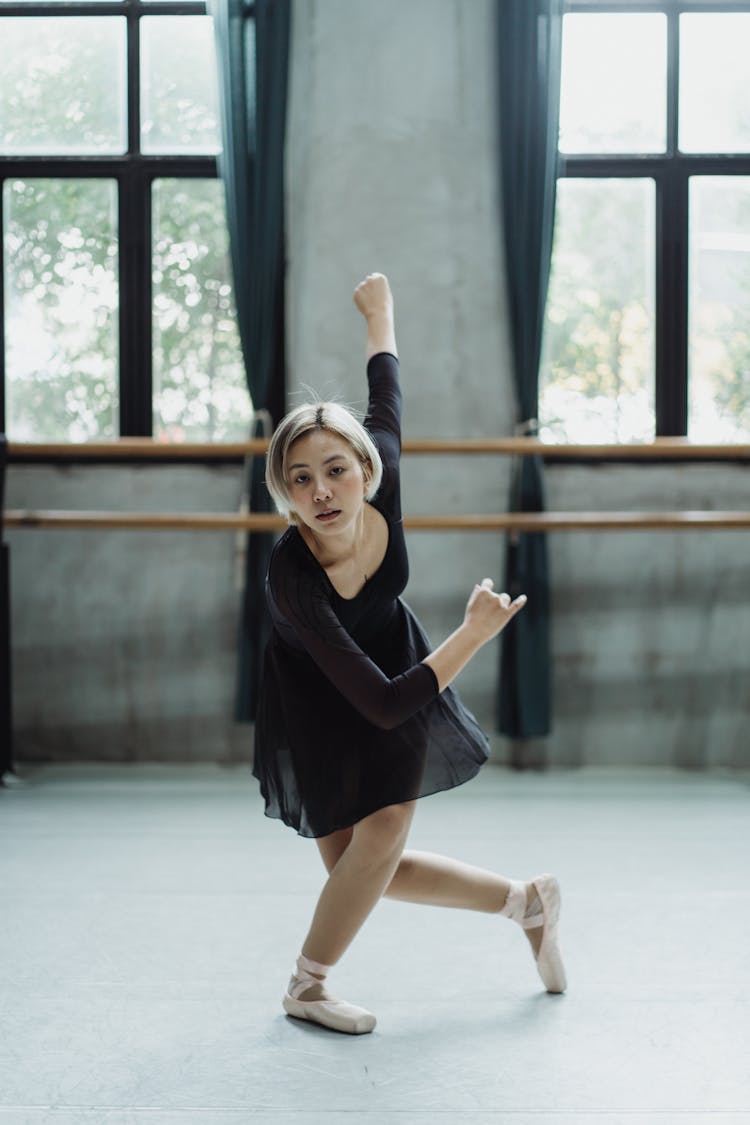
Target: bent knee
{"type": "Point", "coordinates": [385, 830]}
{"type": "Point", "coordinates": [333, 847]}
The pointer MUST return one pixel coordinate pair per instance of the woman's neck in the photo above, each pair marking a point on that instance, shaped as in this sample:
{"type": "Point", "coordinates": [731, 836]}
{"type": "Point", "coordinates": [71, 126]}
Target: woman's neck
{"type": "Point", "coordinates": [332, 549]}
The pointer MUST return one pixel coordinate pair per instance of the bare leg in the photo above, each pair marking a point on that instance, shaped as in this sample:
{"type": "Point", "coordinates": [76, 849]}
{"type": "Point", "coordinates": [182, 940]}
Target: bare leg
{"type": "Point", "coordinates": [435, 880]}
{"type": "Point", "coordinates": [357, 880]}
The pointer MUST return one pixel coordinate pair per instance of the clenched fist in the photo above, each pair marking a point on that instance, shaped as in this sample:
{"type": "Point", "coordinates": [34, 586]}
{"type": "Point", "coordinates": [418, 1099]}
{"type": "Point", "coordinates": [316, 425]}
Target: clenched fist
{"type": "Point", "coordinates": [373, 296]}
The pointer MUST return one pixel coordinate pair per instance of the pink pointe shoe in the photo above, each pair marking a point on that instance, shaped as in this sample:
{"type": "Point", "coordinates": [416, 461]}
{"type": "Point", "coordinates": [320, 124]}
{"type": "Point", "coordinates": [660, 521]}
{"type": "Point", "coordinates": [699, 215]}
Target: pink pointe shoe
{"type": "Point", "coordinates": [544, 910]}
{"type": "Point", "coordinates": [335, 1014]}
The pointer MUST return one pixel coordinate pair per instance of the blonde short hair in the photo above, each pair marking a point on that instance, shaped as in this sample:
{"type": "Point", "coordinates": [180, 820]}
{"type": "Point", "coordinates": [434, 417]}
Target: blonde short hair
{"type": "Point", "coordinates": [335, 418]}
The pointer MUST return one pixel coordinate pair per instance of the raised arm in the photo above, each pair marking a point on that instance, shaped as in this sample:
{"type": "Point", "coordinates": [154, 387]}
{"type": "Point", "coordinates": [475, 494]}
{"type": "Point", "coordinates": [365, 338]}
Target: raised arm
{"type": "Point", "coordinates": [374, 300]}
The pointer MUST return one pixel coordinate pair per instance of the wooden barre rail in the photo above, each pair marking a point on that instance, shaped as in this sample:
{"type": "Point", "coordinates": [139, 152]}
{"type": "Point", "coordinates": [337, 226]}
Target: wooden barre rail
{"type": "Point", "coordinates": [677, 449]}
{"type": "Point", "coordinates": [509, 521]}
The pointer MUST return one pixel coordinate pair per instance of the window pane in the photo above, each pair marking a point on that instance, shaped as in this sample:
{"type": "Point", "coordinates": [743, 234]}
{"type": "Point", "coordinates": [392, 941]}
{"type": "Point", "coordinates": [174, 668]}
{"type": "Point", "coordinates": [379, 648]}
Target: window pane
{"type": "Point", "coordinates": [200, 389]}
{"type": "Point", "coordinates": [719, 387]}
{"type": "Point", "coordinates": [62, 85]}
{"type": "Point", "coordinates": [60, 309]}
{"type": "Point", "coordinates": [714, 105]}
{"type": "Point", "coordinates": [614, 83]}
{"type": "Point", "coordinates": [597, 372]}
{"type": "Point", "coordinates": [180, 86]}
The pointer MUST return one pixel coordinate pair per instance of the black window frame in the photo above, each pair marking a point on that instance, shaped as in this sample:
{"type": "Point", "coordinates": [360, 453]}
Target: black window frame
{"type": "Point", "coordinates": [671, 172]}
{"type": "Point", "coordinates": [134, 173]}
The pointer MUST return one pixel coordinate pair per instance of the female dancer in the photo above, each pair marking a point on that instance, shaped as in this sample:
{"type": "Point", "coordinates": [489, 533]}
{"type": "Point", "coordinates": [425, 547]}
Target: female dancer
{"type": "Point", "coordinates": [357, 718]}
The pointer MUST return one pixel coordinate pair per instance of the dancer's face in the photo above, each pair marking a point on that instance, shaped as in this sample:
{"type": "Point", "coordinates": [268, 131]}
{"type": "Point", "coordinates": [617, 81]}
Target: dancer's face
{"type": "Point", "coordinates": [326, 481]}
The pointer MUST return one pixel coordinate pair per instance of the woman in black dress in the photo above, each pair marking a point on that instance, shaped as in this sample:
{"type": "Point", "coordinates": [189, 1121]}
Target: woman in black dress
{"type": "Point", "coordinates": [357, 718]}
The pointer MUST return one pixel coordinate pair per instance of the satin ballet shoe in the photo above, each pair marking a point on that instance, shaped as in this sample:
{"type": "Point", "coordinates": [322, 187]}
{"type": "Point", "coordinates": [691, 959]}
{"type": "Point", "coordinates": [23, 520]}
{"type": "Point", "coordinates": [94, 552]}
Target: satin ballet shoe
{"type": "Point", "coordinates": [544, 910]}
{"type": "Point", "coordinates": [548, 960]}
{"type": "Point", "coordinates": [335, 1014]}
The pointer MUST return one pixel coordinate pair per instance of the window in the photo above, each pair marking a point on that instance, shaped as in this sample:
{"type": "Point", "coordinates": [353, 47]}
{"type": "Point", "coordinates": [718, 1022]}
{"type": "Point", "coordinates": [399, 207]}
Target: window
{"type": "Point", "coordinates": [648, 316]}
{"type": "Point", "coordinates": [118, 309]}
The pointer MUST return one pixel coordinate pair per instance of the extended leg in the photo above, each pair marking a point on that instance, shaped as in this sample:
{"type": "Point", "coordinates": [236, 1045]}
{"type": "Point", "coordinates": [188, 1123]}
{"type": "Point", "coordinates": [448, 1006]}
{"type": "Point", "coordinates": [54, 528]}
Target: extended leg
{"type": "Point", "coordinates": [435, 880]}
{"type": "Point", "coordinates": [438, 881]}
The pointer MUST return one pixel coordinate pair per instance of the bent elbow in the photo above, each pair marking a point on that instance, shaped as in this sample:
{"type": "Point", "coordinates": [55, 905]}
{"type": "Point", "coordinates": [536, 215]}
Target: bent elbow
{"type": "Point", "coordinates": [390, 722]}
{"type": "Point", "coordinates": [389, 712]}
{"type": "Point", "coordinates": [384, 719]}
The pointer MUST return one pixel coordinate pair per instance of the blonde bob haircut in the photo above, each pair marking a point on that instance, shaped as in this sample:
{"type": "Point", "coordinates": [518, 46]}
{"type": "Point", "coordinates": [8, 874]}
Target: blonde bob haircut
{"type": "Point", "coordinates": [335, 418]}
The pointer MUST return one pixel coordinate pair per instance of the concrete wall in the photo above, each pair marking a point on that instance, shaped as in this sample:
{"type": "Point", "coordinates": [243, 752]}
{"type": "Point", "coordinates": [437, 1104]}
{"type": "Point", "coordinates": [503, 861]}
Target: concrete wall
{"type": "Point", "coordinates": [651, 632]}
{"type": "Point", "coordinates": [124, 644]}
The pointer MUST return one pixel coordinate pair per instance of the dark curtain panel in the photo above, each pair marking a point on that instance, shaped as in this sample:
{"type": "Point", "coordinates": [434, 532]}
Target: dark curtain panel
{"type": "Point", "coordinates": [6, 721]}
{"type": "Point", "coordinates": [529, 60]}
{"type": "Point", "coordinates": [252, 42]}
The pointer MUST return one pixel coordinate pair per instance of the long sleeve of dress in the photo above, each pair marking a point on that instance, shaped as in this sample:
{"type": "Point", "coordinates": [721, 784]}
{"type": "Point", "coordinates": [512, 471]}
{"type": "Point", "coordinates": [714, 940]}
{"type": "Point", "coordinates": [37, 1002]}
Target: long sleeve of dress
{"type": "Point", "coordinates": [383, 422]}
{"type": "Point", "coordinates": [305, 604]}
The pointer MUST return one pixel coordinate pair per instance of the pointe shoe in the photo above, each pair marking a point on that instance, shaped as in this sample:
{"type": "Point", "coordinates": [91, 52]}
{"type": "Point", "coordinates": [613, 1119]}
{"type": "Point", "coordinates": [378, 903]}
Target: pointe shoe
{"type": "Point", "coordinates": [548, 960]}
{"type": "Point", "coordinates": [336, 1014]}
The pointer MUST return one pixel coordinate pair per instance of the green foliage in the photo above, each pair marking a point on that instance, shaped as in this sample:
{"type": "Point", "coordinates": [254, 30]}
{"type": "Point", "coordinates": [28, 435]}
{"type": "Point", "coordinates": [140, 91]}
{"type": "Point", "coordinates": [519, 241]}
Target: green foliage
{"type": "Point", "coordinates": [61, 251]}
{"type": "Point", "coordinates": [597, 373]}
{"type": "Point", "coordinates": [180, 92]}
{"type": "Point", "coordinates": [199, 383]}
{"type": "Point", "coordinates": [61, 309]}
{"type": "Point", "coordinates": [62, 92]}
{"type": "Point", "coordinates": [720, 304]}
{"type": "Point", "coordinates": [598, 364]}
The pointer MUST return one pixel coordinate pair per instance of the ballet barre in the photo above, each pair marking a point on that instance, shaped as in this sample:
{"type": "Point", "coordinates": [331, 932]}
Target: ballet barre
{"type": "Point", "coordinates": [507, 521]}
{"type": "Point", "coordinates": [666, 448]}
{"type": "Point", "coordinates": [671, 449]}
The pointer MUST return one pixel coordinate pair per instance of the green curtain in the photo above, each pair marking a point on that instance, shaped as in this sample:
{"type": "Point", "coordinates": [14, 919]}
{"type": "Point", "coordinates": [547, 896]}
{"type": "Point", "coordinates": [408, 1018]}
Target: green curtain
{"type": "Point", "coordinates": [252, 44]}
{"type": "Point", "coordinates": [529, 61]}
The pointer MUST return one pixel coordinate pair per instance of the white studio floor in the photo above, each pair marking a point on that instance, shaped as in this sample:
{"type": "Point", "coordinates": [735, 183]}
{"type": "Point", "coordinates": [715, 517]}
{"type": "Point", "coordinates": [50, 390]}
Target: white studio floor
{"type": "Point", "coordinates": [150, 916]}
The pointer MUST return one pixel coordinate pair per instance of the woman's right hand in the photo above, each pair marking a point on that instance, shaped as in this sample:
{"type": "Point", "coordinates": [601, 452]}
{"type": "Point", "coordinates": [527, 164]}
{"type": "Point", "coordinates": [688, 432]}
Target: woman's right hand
{"type": "Point", "coordinates": [487, 613]}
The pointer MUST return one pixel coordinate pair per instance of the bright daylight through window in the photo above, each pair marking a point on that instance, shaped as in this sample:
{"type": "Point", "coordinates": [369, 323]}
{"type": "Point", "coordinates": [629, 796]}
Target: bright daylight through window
{"type": "Point", "coordinates": [654, 149]}
{"type": "Point", "coordinates": [119, 313]}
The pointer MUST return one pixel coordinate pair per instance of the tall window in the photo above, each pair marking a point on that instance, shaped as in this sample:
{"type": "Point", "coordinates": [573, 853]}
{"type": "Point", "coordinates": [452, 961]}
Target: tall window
{"type": "Point", "coordinates": [648, 316]}
{"type": "Point", "coordinates": [118, 313]}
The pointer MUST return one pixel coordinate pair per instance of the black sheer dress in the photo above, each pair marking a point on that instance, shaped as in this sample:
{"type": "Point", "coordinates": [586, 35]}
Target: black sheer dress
{"type": "Point", "coordinates": [350, 720]}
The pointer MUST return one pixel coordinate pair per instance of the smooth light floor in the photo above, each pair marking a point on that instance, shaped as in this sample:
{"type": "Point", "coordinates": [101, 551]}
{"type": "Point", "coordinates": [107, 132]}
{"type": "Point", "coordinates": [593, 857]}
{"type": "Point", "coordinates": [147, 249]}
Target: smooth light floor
{"type": "Point", "coordinates": [149, 917]}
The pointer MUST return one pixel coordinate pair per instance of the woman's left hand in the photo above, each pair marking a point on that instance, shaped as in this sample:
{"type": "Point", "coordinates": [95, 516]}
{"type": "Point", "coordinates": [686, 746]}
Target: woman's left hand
{"type": "Point", "coordinates": [373, 296]}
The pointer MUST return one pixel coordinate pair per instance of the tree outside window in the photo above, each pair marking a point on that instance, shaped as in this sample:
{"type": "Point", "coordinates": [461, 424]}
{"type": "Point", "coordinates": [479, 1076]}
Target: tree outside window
{"type": "Point", "coordinates": [114, 228]}
{"type": "Point", "coordinates": [654, 151]}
